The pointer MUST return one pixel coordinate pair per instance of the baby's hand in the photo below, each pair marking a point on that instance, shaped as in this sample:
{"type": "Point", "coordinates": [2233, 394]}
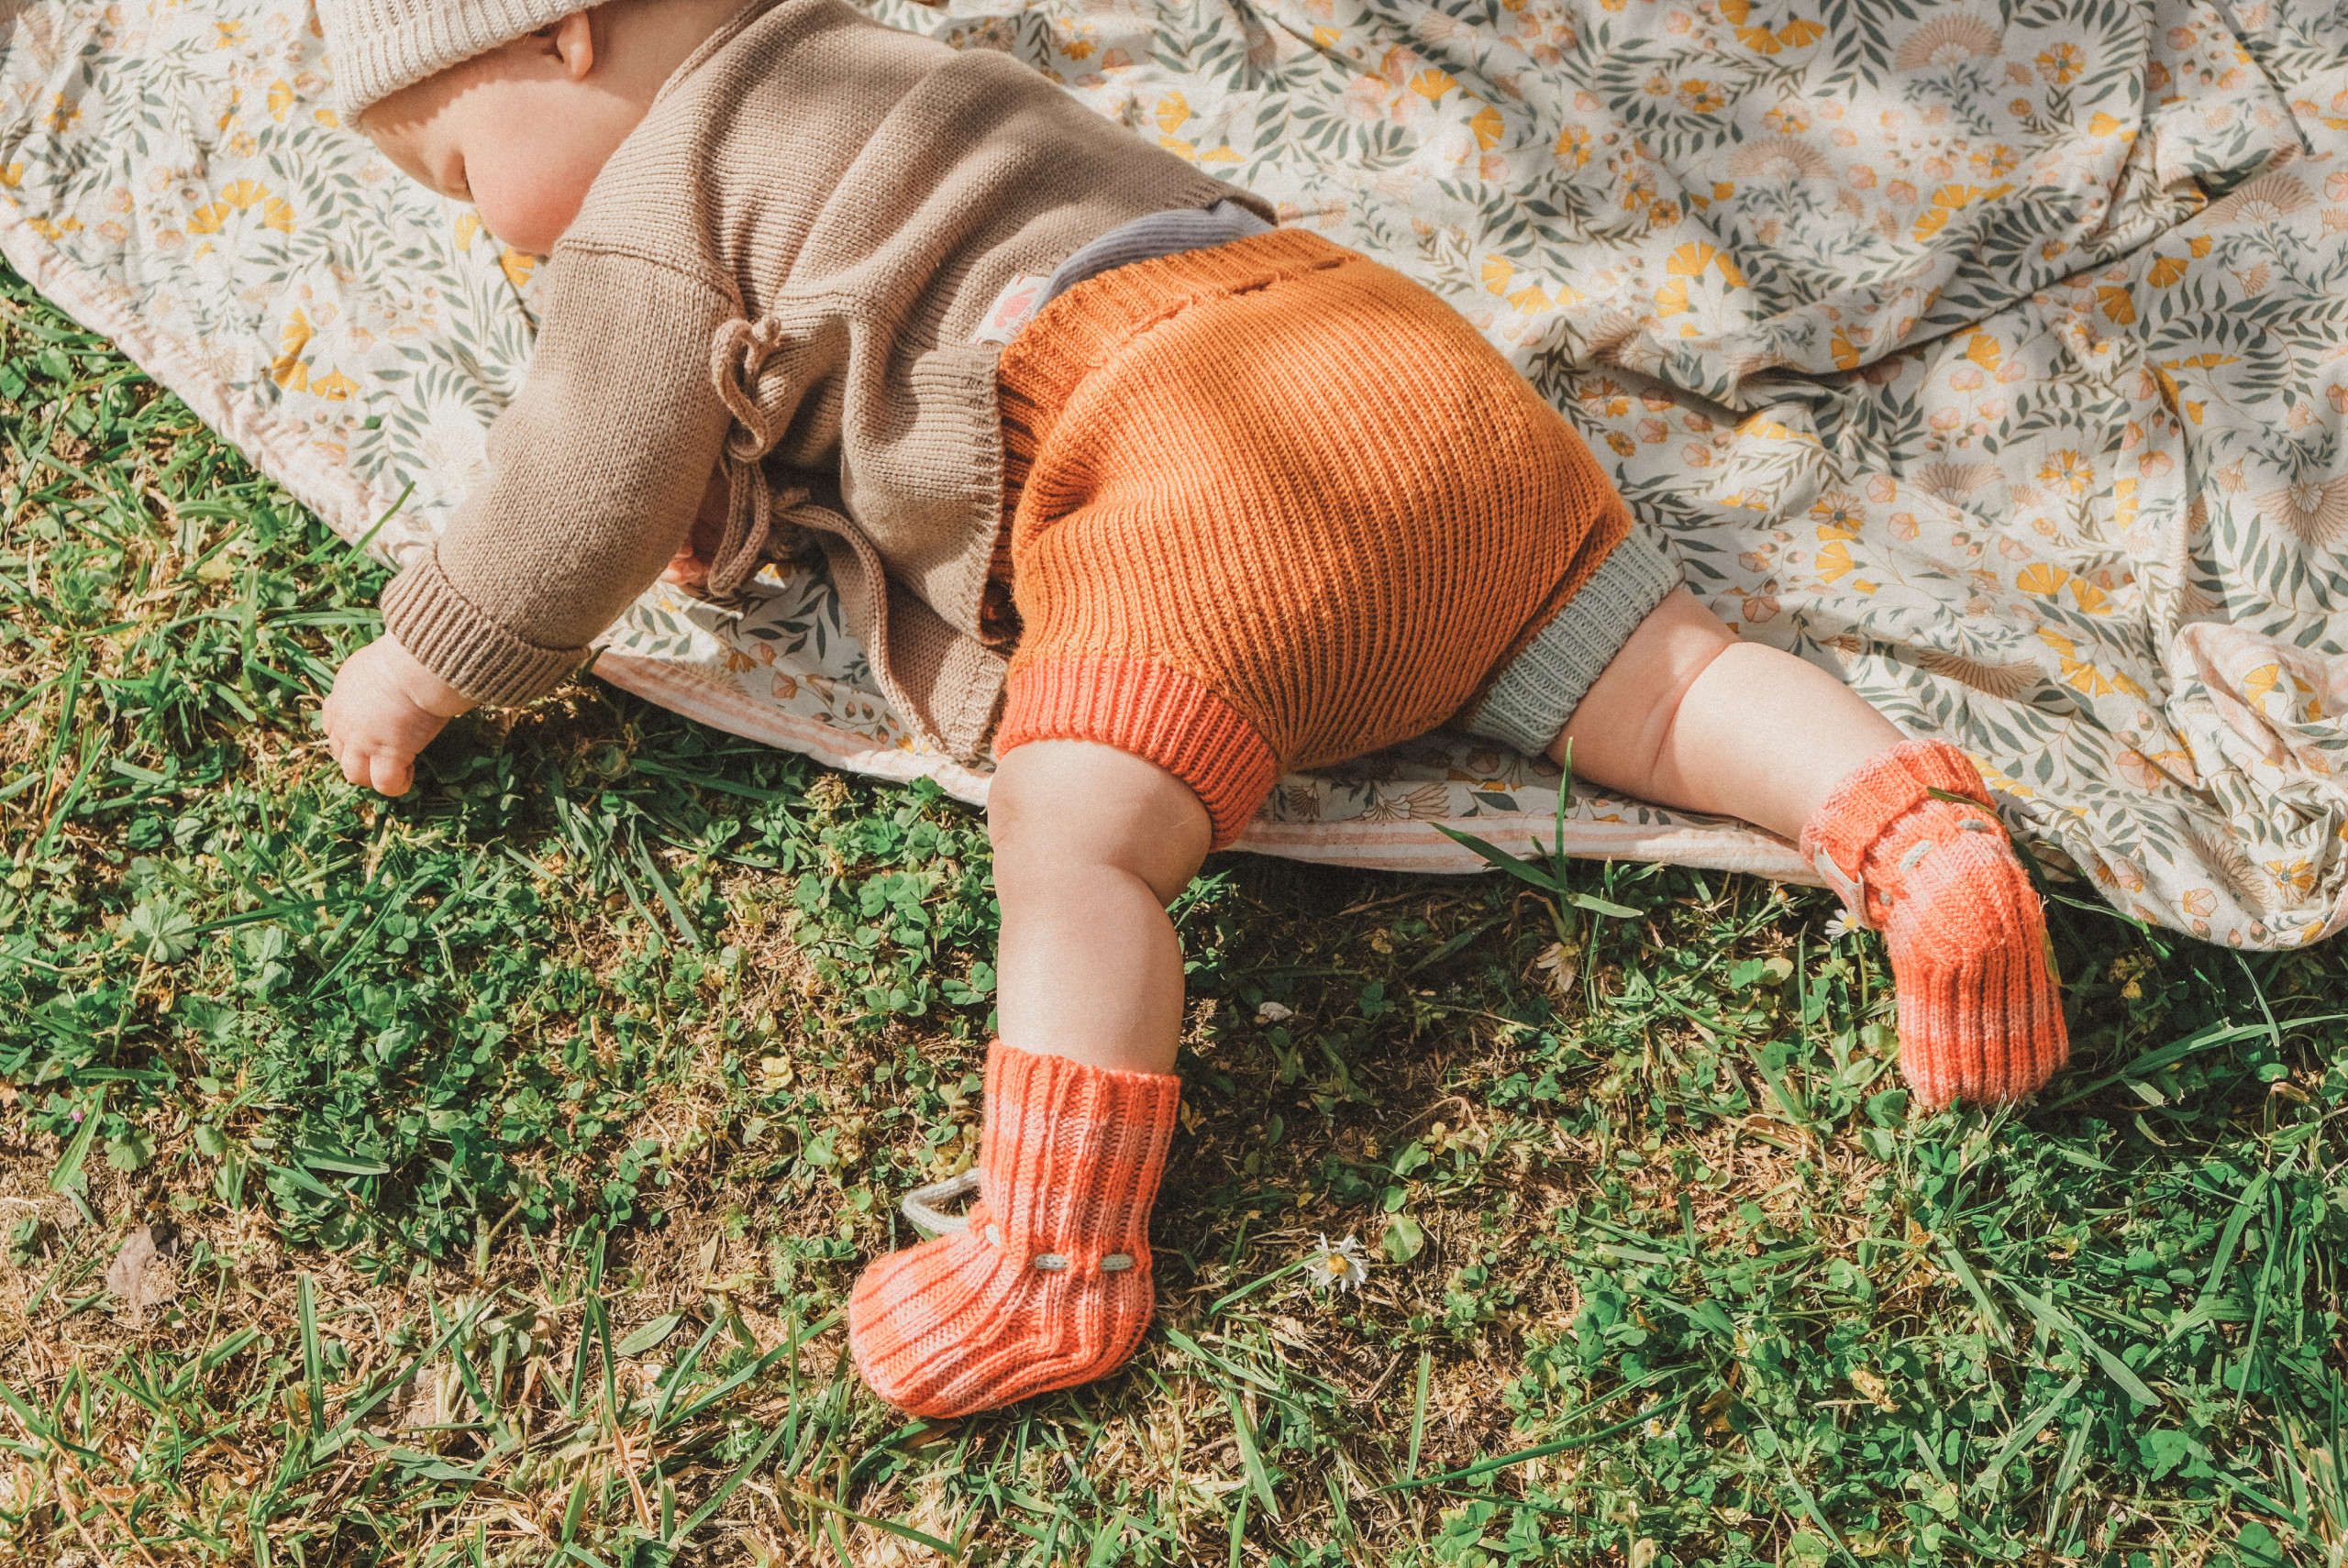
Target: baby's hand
{"type": "Point", "coordinates": [385, 707]}
{"type": "Point", "coordinates": [689, 568]}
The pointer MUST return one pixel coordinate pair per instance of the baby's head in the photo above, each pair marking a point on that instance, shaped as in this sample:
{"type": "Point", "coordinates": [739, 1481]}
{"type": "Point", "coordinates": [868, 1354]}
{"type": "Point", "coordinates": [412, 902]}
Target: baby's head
{"type": "Point", "coordinates": [514, 105]}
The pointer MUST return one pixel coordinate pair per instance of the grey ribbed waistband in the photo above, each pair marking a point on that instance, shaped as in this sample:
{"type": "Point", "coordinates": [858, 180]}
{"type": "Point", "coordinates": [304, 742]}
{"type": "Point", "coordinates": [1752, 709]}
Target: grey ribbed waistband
{"type": "Point", "coordinates": [1532, 699]}
{"type": "Point", "coordinates": [1147, 238]}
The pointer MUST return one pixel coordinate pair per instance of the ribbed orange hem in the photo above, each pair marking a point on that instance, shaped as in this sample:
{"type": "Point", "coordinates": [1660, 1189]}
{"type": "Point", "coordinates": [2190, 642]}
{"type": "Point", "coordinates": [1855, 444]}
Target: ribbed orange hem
{"type": "Point", "coordinates": [1158, 714]}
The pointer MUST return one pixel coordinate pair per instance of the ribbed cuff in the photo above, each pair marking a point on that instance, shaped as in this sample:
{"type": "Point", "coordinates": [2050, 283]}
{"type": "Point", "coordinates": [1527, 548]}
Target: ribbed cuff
{"type": "Point", "coordinates": [1874, 796]}
{"type": "Point", "coordinates": [456, 641]}
{"type": "Point", "coordinates": [1530, 701]}
{"type": "Point", "coordinates": [1073, 1154]}
{"type": "Point", "coordinates": [1158, 714]}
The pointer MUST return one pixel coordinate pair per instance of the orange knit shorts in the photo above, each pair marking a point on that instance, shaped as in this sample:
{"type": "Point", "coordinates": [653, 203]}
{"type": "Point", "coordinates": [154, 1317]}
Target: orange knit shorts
{"type": "Point", "coordinates": [1272, 505]}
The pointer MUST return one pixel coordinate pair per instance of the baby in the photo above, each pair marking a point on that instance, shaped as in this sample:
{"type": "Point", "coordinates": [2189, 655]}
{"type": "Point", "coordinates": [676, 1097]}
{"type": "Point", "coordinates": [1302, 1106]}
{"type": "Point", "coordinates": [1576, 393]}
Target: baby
{"type": "Point", "coordinates": [1148, 498]}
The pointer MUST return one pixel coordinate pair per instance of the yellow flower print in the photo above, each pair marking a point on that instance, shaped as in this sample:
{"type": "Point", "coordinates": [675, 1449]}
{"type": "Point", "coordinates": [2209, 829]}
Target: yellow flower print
{"type": "Point", "coordinates": [2091, 600]}
{"type": "Point", "coordinates": [1606, 398]}
{"type": "Point", "coordinates": [1691, 260]}
{"type": "Point", "coordinates": [1948, 201]}
{"type": "Point", "coordinates": [281, 99]}
{"type": "Point", "coordinates": [61, 114]}
{"type": "Point", "coordinates": [1991, 162]}
{"type": "Point", "coordinates": [1573, 148]}
{"type": "Point", "coordinates": [2068, 469]}
{"type": "Point", "coordinates": [1702, 97]}
{"type": "Point", "coordinates": [1785, 121]}
{"type": "Point", "coordinates": [2123, 501]}
{"type": "Point", "coordinates": [1623, 446]}
{"type": "Point", "coordinates": [1834, 563]}
{"type": "Point", "coordinates": [1431, 84]}
{"type": "Point", "coordinates": [2078, 673]}
{"type": "Point", "coordinates": [2294, 878]}
{"type": "Point", "coordinates": [2062, 63]}
{"type": "Point", "coordinates": [334, 387]}
{"type": "Point", "coordinates": [1498, 271]}
{"type": "Point", "coordinates": [287, 370]}
{"type": "Point", "coordinates": [2045, 581]}
{"type": "Point", "coordinates": [1487, 127]}
{"type": "Point", "coordinates": [1839, 516]}
{"type": "Point", "coordinates": [517, 267]}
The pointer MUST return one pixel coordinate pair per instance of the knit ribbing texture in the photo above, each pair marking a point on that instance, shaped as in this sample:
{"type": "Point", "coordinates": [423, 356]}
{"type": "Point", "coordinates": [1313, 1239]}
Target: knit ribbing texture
{"type": "Point", "coordinates": [1980, 1004]}
{"type": "Point", "coordinates": [1295, 482]}
{"type": "Point", "coordinates": [1529, 702]}
{"type": "Point", "coordinates": [381, 46]}
{"type": "Point", "coordinates": [1050, 1285]}
{"type": "Point", "coordinates": [811, 223]}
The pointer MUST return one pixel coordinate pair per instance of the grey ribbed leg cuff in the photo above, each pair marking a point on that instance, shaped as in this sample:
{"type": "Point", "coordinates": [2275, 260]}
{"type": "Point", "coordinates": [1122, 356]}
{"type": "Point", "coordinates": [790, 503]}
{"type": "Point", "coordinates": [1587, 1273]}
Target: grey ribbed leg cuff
{"type": "Point", "coordinates": [1539, 691]}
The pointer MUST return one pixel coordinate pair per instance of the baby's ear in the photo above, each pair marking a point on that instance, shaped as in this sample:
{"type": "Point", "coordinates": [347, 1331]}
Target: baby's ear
{"type": "Point", "coordinates": [574, 44]}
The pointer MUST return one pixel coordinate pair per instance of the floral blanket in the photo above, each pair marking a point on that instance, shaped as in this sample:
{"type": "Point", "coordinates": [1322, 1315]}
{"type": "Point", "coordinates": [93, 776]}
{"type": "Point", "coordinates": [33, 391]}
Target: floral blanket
{"type": "Point", "coordinates": [1994, 356]}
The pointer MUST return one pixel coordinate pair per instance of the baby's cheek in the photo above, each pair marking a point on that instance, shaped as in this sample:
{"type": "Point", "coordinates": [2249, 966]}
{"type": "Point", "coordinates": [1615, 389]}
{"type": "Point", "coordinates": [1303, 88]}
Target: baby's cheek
{"type": "Point", "coordinates": [528, 205]}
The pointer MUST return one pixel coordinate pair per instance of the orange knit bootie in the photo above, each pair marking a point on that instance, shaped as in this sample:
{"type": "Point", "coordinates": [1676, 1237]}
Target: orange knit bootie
{"type": "Point", "coordinates": [1050, 1286]}
{"type": "Point", "coordinates": [1980, 1014]}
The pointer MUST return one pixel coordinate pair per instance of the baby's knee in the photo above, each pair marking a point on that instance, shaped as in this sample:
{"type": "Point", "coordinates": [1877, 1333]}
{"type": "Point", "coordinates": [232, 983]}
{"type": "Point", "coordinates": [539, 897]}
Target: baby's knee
{"type": "Point", "coordinates": [1057, 806]}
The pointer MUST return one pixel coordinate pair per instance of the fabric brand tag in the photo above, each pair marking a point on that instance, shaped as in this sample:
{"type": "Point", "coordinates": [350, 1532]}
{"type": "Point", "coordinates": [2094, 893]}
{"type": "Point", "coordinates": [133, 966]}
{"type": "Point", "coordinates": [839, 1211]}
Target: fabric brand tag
{"type": "Point", "coordinates": [1012, 309]}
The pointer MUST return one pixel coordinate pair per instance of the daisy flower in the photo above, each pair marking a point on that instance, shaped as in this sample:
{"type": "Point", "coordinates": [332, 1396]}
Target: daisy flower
{"type": "Point", "coordinates": [1343, 1266]}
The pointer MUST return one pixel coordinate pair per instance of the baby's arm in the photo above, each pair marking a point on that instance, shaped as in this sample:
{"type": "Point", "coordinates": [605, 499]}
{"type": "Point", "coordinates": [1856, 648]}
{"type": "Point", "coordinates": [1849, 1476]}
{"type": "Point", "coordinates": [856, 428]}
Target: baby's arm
{"type": "Point", "coordinates": [596, 472]}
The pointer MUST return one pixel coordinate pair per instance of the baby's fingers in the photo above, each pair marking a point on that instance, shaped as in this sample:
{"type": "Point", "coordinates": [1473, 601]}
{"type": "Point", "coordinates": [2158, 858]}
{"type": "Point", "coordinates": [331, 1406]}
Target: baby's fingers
{"type": "Point", "coordinates": [390, 772]}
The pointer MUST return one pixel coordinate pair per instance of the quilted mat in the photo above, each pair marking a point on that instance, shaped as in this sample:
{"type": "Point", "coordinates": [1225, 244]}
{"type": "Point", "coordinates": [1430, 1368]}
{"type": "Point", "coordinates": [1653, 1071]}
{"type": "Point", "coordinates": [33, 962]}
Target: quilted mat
{"type": "Point", "coordinates": [1993, 357]}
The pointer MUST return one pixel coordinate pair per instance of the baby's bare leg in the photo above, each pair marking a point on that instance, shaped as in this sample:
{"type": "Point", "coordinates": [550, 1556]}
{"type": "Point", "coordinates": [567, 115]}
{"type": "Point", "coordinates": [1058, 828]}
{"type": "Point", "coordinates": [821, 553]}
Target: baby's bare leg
{"type": "Point", "coordinates": [1050, 1285]}
{"type": "Point", "coordinates": [1091, 844]}
{"type": "Point", "coordinates": [1689, 716]}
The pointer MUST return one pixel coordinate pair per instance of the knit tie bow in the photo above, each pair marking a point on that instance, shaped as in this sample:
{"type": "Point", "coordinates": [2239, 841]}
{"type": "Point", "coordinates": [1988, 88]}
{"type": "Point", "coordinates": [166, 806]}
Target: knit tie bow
{"type": "Point", "coordinates": [745, 366]}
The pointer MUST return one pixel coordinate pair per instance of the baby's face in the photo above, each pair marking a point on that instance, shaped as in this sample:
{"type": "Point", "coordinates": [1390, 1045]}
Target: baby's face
{"type": "Point", "coordinates": [520, 132]}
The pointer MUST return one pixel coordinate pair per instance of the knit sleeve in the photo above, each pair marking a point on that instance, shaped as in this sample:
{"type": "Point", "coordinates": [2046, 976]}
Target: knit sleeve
{"type": "Point", "coordinates": [596, 469]}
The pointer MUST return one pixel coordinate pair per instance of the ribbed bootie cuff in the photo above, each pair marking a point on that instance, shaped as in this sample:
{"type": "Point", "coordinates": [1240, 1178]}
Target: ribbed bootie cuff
{"type": "Point", "coordinates": [1875, 795]}
{"type": "Point", "coordinates": [1073, 1154]}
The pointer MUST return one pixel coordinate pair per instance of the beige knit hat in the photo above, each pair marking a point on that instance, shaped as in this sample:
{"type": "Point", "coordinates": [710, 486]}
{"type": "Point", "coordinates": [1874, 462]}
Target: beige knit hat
{"type": "Point", "coordinates": [381, 46]}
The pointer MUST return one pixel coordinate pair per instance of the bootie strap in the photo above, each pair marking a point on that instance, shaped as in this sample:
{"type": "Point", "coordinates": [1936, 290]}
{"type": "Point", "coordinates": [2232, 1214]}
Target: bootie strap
{"type": "Point", "coordinates": [1842, 836]}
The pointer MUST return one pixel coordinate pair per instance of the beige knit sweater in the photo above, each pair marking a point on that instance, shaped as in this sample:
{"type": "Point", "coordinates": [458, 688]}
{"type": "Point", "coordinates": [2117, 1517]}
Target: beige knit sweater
{"type": "Point", "coordinates": [780, 272]}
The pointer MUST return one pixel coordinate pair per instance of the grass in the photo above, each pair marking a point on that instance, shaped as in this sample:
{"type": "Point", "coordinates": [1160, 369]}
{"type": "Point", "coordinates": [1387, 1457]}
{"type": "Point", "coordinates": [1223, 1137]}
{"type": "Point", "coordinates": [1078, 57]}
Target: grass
{"type": "Point", "coordinates": [477, 1178]}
